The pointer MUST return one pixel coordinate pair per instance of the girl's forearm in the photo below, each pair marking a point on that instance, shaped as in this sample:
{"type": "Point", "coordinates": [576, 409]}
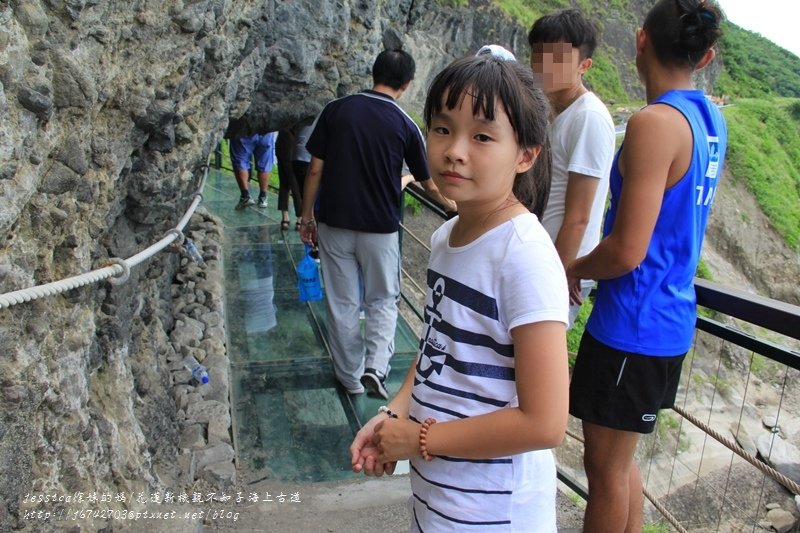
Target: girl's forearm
{"type": "Point", "coordinates": [498, 434]}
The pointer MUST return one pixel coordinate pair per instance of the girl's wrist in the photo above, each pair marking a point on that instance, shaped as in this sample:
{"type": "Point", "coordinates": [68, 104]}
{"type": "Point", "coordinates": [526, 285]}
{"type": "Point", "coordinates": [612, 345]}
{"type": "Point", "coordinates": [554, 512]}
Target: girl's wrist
{"type": "Point", "coordinates": [388, 412]}
{"type": "Point", "coordinates": [424, 429]}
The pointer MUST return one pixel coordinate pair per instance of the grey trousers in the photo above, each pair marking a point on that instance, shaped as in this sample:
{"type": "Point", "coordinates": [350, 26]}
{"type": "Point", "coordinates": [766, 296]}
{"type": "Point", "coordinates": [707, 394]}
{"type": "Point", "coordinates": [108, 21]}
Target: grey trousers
{"type": "Point", "coordinates": [350, 258]}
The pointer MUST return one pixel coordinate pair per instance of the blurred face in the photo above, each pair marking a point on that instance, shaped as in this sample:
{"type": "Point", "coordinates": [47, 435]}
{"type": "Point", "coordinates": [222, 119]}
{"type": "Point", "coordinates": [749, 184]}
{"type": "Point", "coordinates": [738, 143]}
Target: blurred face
{"type": "Point", "coordinates": [473, 160]}
{"type": "Point", "coordinates": [557, 66]}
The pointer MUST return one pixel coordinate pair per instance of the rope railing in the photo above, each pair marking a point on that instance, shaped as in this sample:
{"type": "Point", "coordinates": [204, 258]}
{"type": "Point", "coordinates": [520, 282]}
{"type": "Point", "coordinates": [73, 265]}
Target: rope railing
{"type": "Point", "coordinates": [414, 236]}
{"type": "Point", "coordinates": [735, 448]}
{"type": "Point", "coordinates": [669, 517]}
{"type": "Point", "coordinates": [116, 272]}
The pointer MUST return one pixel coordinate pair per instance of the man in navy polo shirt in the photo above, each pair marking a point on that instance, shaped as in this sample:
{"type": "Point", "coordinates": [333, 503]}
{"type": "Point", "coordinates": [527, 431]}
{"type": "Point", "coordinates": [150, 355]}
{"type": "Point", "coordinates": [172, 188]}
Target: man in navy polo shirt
{"type": "Point", "coordinates": [359, 146]}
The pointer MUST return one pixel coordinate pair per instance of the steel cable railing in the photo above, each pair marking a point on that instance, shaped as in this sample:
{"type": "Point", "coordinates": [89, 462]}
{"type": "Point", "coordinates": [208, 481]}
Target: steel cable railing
{"type": "Point", "coordinates": [118, 270]}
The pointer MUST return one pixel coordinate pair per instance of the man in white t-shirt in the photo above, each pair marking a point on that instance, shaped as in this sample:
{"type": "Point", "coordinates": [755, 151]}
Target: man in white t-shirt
{"type": "Point", "coordinates": [581, 135]}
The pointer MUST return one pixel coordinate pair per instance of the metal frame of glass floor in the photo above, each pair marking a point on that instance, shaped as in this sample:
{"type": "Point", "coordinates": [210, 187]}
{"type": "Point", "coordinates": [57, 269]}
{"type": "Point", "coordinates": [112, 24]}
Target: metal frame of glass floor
{"type": "Point", "coordinates": [291, 419]}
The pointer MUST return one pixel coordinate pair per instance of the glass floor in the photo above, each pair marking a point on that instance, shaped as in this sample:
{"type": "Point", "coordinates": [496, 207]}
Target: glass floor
{"type": "Point", "coordinates": [292, 421]}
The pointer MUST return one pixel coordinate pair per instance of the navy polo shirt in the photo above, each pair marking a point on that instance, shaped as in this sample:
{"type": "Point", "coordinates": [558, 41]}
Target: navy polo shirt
{"type": "Point", "coordinates": [363, 140]}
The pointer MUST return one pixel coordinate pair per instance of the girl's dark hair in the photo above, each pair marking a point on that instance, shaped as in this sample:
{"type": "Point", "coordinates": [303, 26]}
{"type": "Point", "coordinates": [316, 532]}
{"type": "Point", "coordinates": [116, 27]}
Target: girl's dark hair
{"type": "Point", "coordinates": [682, 31]}
{"type": "Point", "coordinates": [489, 80]}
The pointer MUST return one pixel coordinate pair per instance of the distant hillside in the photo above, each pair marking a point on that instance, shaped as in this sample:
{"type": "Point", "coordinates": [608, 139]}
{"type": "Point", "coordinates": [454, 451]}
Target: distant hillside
{"type": "Point", "coordinates": [762, 80]}
{"type": "Point", "coordinates": [763, 150]}
{"type": "Point", "coordinates": [752, 66]}
{"type": "Point", "coordinates": [756, 67]}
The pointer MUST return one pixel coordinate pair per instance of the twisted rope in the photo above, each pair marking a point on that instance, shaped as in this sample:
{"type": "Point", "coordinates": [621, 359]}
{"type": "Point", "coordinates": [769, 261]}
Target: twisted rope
{"type": "Point", "coordinates": [119, 269]}
{"type": "Point", "coordinates": [664, 512]}
{"type": "Point", "coordinates": [413, 236]}
{"type": "Point", "coordinates": [735, 448]}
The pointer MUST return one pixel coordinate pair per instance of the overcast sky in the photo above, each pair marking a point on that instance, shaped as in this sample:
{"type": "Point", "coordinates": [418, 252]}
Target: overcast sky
{"type": "Point", "coordinates": [774, 19]}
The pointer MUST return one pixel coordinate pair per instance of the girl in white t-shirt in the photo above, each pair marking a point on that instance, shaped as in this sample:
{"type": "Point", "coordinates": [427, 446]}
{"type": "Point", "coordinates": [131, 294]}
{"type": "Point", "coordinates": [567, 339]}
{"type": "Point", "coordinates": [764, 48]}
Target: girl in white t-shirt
{"type": "Point", "coordinates": [487, 398]}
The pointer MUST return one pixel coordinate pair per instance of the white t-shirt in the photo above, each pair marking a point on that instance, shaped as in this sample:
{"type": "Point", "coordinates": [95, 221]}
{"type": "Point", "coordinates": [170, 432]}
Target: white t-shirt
{"type": "Point", "coordinates": [582, 141]}
{"type": "Point", "coordinates": [476, 295]}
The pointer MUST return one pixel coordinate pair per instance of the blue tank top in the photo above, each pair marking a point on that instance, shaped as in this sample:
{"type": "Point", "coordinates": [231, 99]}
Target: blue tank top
{"type": "Point", "coordinates": [652, 309]}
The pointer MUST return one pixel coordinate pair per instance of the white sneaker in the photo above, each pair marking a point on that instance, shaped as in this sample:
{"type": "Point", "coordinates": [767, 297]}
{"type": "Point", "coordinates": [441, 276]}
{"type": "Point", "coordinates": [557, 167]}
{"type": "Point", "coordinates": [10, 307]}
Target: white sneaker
{"type": "Point", "coordinates": [358, 390]}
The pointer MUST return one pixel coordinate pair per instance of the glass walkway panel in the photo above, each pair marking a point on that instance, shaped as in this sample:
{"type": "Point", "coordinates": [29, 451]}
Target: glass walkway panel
{"type": "Point", "coordinates": [291, 419]}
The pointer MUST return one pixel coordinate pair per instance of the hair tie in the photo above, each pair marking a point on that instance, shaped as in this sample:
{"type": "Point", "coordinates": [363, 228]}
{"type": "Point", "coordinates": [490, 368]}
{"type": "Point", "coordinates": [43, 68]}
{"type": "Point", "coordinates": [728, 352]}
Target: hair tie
{"type": "Point", "coordinates": [706, 14]}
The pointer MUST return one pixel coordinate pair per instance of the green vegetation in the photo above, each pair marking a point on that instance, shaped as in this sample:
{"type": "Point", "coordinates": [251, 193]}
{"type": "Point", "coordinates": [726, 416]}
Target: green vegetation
{"type": "Point", "coordinates": [527, 11]}
{"type": "Point", "coordinates": [703, 272]}
{"type": "Point", "coordinates": [658, 527]}
{"type": "Point", "coordinates": [766, 369]}
{"type": "Point", "coordinates": [755, 67]}
{"type": "Point", "coordinates": [667, 424]}
{"type": "Point", "coordinates": [412, 204]}
{"type": "Point", "coordinates": [574, 335]}
{"type": "Point", "coordinates": [757, 364]}
{"type": "Point", "coordinates": [669, 421]}
{"type": "Point", "coordinates": [577, 499]}
{"type": "Point", "coordinates": [225, 152]}
{"type": "Point", "coordinates": [763, 150]}
{"type": "Point", "coordinates": [604, 79]}
{"type": "Point", "coordinates": [722, 385]}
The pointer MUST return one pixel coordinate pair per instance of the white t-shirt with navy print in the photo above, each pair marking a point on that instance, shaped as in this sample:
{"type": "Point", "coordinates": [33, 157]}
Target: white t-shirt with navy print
{"type": "Point", "coordinates": [476, 295]}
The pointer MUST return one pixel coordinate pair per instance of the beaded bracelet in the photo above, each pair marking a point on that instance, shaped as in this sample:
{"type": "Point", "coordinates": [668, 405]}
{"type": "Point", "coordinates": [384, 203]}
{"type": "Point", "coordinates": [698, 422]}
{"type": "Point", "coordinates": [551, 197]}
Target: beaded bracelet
{"type": "Point", "coordinates": [384, 409]}
{"type": "Point", "coordinates": [423, 438]}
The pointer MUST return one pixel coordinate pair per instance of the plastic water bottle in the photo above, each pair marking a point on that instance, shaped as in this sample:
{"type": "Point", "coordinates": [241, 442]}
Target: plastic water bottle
{"type": "Point", "coordinates": [309, 287]}
{"type": "Point", "coordinates": [194, 253]}
{"type": "Point", "coordinates": [199, 372]}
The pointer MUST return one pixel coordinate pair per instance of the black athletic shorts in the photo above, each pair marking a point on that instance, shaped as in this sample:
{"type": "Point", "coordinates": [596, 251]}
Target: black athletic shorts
{"type": "Point", "coordinates": [621, 390]}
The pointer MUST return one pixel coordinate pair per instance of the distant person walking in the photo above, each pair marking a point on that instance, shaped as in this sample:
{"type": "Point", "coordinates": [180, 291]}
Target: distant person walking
{"type": "Point", "coordinates": [301, 158]}
{"type": "Point", "coordinates": [581, 135]}
{"type": "Point", "coordinates": [663, 183]}
{"type": "Point", "coordinates": [287, 181]}
{"type": "Point", "coordinates": [358, 146]}
{"type": "Point", "coordinates": [261, 147]}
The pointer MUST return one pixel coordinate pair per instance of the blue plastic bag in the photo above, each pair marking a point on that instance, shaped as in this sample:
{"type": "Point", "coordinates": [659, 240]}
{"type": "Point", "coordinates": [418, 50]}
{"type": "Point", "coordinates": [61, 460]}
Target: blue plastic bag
{"type": "Point", "coordinates": [308, 282]}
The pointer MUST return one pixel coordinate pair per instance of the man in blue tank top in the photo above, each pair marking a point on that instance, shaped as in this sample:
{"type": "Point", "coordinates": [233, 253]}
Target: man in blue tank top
{"type": "Point", "coordinates": [663, 182]}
